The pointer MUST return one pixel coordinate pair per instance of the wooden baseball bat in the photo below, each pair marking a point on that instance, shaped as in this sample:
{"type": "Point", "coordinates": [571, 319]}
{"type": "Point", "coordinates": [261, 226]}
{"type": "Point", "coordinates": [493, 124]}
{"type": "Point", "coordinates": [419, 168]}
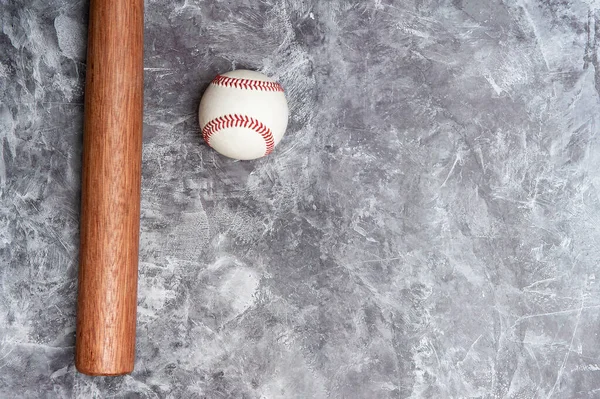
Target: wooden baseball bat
{"type": "Point", "coordinates": [110, 193]}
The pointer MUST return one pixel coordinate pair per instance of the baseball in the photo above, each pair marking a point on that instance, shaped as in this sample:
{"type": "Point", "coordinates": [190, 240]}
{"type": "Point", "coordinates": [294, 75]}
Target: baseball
{"type": "Point", "coordinates": [243, 114]}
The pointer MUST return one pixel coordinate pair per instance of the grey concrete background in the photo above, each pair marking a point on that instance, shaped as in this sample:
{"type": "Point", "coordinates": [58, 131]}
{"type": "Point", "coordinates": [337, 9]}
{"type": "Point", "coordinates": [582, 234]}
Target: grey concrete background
{"type": "Point", "coordinates": [428, 228]}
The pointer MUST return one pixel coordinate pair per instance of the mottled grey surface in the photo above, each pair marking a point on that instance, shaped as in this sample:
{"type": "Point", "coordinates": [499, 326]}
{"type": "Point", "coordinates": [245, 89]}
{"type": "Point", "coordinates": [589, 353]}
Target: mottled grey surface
{"type": "Point", "coordinates": [428, 228]}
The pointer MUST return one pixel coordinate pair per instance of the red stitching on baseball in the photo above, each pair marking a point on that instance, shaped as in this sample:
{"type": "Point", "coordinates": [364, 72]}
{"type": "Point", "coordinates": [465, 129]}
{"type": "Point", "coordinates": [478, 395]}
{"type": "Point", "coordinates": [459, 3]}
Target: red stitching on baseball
{"type": "Point", "coordinates": [249, 84]}
{"type": "Point", "coordinates": [235, 120]}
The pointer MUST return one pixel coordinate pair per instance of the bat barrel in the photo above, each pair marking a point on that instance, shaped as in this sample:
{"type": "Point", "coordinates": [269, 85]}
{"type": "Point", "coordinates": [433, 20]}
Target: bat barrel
{"type": "Point", "coordinates": [110, 194]}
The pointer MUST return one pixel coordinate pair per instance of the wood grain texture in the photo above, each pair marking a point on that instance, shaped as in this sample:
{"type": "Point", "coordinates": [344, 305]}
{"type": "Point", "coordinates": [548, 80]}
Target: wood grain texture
{"type": "Point", "coordinates": [111, 177]}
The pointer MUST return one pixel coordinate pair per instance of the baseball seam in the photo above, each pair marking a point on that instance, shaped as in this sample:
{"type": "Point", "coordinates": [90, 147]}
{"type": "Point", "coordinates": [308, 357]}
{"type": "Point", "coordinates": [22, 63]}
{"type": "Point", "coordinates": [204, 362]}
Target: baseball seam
{"type": "Point", "coordinates": [248, 84]}
{"type": "Point", "coordinates": [236, 120]}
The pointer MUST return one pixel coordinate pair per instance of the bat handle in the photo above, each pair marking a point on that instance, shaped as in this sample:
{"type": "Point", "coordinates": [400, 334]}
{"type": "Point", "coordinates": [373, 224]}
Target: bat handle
{"type": "Point", "coordinates": [110, 193]}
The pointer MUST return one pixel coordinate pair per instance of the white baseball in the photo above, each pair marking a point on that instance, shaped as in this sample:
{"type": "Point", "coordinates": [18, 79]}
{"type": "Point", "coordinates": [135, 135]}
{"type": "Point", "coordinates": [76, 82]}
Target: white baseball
{"type": "Point", "coordinates": [243, 114]}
